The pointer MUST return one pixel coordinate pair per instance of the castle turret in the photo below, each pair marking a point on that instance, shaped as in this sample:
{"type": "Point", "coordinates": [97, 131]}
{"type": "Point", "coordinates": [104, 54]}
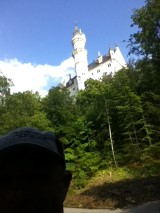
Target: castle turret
{"type": "Point", "coordinates": [79, 54]}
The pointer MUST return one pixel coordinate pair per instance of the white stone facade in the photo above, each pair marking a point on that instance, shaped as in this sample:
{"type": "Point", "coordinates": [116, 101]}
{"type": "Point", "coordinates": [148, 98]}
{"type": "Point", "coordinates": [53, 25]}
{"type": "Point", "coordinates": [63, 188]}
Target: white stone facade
{"type": "Point", "coordinates": [106, 64]}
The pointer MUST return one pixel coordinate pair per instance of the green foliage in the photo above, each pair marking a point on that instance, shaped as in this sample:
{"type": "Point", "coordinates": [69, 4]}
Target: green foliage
{"type": "Point", "coordinates": [59, 108]}
{"type": "Point", "coordinates": [22, 109]}
{"type": "Point", "coordinates": [5, 85]}
{"type": "Point", "coordinates": [83, 163]}
{"type": "Point", "coordinates": [146, 40]}
{"type": "Point", "coordinates": [151, 153]}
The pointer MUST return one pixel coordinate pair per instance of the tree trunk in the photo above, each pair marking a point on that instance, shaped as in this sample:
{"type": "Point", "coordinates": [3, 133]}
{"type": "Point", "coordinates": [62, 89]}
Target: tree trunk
{"type": "Point", "coordinates": [110, 135]}
{"type": "Point", "coordinates": [111, 140]}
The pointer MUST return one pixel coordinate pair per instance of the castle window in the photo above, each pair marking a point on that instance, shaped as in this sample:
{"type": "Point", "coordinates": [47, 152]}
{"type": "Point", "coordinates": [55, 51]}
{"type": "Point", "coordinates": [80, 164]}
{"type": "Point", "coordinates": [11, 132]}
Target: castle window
{"type": "Point", "coordinates": [109, 65]}
{"type": "Point", "coordinates": [92, 73]}
{"type": "Point", "coordinates": [98, 71]}
{"type": "Point", "coordinates": [73, 88]}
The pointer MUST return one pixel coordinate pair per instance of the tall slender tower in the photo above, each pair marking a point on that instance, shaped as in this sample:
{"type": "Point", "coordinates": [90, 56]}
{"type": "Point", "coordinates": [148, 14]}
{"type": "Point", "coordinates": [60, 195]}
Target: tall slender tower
{"type": "Point", "coordinates": [79, 54]}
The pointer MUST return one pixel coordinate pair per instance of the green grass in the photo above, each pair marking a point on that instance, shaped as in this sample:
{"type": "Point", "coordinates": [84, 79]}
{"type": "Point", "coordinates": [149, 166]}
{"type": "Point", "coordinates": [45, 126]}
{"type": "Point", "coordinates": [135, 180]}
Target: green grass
{"type": "Point", "coordinates": [134, 171]}
{"type": "Point", "coordinates": [118, 187]}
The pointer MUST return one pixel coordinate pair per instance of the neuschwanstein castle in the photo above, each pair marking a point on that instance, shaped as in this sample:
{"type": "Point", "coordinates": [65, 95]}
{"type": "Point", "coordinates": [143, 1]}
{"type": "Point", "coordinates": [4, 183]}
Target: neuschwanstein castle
{"type": "Point", "coordinates": [106, 64]}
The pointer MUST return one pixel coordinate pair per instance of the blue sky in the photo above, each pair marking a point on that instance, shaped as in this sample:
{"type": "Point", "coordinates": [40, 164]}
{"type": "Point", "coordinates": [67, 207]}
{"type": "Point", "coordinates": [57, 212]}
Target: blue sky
{"type": "Point", "coordinates": [39, 32]}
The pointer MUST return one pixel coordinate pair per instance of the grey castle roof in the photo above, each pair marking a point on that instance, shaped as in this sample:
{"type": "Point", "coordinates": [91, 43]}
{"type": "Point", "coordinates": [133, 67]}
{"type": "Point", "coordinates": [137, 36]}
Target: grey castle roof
{"type": "Point", "coordinates": [71, 81]}
{"type": "Point", "coordinates": [95, 63]}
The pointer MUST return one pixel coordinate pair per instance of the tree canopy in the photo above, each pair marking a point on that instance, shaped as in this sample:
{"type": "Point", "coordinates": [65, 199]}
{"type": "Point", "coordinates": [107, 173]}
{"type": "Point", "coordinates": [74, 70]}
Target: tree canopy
{"type": "Point", "coordinates": [146, 41]}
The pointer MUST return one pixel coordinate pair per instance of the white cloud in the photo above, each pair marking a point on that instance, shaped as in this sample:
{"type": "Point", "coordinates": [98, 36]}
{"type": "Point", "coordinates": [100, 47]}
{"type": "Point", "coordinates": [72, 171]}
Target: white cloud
{"type": "Point", "coordinates": [27, 76]}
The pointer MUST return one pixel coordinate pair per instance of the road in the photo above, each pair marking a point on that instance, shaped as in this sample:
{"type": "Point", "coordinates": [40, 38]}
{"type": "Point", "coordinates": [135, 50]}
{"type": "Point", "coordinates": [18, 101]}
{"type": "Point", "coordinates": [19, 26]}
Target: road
{"type": "Point", "coordinates": [151, 207]}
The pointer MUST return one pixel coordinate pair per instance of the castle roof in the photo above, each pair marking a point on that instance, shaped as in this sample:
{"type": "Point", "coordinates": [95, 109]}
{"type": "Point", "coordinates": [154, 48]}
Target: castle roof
{"type": "Point", "coordinates": [96, 63]}
{"type": "Point", "coordinates": [77, 31]}
{"type": "Point", "coordinates": [71, 81]}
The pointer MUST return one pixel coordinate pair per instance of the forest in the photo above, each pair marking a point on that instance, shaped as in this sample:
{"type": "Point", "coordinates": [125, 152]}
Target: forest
{"type": "Point", "coordinates": [114, 122]}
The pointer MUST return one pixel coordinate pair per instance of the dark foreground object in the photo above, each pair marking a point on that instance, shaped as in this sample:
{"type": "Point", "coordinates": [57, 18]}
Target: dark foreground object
{"type": "Point", "coordinates": [33, 175]}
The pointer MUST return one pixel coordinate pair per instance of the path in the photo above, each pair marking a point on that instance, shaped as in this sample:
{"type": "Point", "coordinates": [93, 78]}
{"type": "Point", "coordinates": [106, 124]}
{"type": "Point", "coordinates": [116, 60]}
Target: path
{"type": "Point", "coordinates": [151, 207]}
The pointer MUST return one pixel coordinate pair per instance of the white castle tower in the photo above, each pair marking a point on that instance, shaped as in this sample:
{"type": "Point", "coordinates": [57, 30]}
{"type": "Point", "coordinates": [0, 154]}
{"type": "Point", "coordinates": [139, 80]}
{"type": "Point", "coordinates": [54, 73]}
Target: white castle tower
{"type": "Point", "coordinates": [79, 54]}
{"type": "Point", "coordinates": [102, 65]}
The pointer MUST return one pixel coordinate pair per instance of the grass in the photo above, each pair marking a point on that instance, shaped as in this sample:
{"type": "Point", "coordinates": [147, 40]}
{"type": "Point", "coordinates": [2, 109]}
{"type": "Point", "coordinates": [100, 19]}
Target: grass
{"type": "Point", "coordinates": [118, 187]}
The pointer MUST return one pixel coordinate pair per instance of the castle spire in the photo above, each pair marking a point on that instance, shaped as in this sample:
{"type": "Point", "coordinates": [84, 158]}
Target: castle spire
{"type": "Point", "coordinates": [76, 30]}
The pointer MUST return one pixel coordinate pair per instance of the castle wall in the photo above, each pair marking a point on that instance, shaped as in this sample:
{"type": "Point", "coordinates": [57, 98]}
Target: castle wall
{"type": "Point", "coordinates": [101, 69]}
{"type": "Point", "coordinates": [72, 86]}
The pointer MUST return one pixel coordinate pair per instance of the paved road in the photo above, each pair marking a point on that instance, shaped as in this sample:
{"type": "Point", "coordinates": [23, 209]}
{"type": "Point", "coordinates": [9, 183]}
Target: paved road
{"type": "Point", "coordinates": [151, 207]}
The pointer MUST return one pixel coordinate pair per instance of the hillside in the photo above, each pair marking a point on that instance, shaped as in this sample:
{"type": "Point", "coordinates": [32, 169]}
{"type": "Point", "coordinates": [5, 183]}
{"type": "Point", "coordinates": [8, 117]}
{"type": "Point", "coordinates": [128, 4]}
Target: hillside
{"type": "Point", "coordinates": [119, 188]}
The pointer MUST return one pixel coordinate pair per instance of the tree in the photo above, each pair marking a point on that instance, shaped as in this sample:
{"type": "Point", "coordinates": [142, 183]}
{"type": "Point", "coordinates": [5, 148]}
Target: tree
{"type": "Point", "coordinates": [95, 103]}
{"type": "Point", "coordinates": [22, 109]}
{"type": "Point", "coordinates": [59, 107]}
{"type": "Point", "coordinates": [5, 85]}
{"type": "Point", "coordinates": [129, 124]}
{"type": "Point", "coordinates": [151, 106]}
{"type": "Point", "coordinates": [146, 41]}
